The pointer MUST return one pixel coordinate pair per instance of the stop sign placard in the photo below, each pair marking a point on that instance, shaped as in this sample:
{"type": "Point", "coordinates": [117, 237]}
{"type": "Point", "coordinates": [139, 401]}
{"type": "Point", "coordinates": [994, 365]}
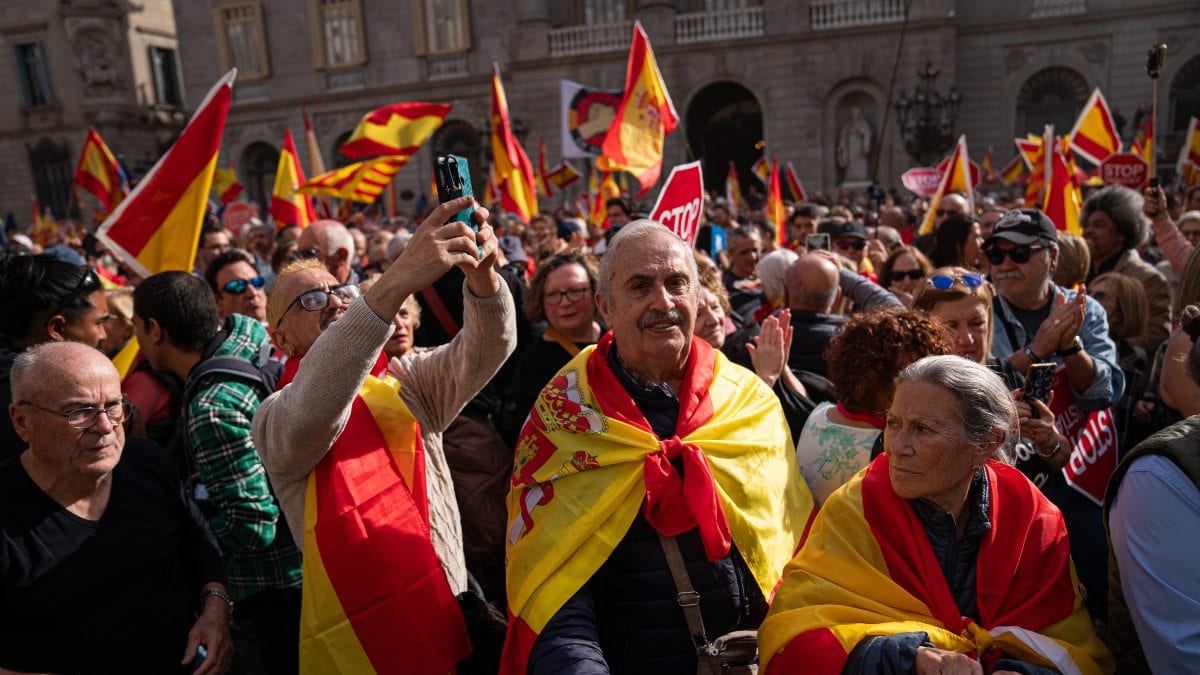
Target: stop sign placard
{"type": "Point", "coordinates": [922, 181]}
{"type": "Point", "coordinates": [680, 205]}
{"type": "Point", "coordinates": [1124, 168]}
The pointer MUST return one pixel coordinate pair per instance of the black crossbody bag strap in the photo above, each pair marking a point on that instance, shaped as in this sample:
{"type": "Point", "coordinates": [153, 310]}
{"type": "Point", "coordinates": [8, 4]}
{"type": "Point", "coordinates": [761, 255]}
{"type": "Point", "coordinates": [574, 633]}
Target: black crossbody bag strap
{"type": "Point", "coordinates": [686, 596]}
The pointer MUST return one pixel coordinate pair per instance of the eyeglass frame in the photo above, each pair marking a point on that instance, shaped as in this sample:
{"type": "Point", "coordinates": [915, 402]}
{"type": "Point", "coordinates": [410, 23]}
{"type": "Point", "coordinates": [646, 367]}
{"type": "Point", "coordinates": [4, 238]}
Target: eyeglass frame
{"type": "Point", "coordinates": [1002, 253]}
{"type": "Point", "coordinates": [123, 405]}
{"type": "Point", "coordinates": [256, 281]}
{"type": "Point", "coordinates": [579, 292]}
{"type": "Point", "coordinates": [328, 292]}
{"type": "Point", "coordinates": [846, 244]}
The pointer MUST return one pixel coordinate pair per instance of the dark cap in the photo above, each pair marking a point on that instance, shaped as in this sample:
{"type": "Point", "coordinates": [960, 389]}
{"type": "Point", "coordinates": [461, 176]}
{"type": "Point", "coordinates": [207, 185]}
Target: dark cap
{"type": "Point", "coordinates": [1023, 226]}
{"type": "Point", "coordinates": [850, 228]}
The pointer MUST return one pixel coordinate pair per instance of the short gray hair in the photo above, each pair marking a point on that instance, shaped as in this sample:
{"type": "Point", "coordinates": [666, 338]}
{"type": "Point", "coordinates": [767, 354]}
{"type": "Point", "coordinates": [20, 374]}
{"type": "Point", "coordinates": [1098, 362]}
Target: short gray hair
{"type": "Point", "coordinates": [637, 232]}
{"type": "Point", "coordinates": [32, 370]}
{"type": "Point", "coordinates": [1124, 207]}
{"type": "Point", "coordinates": [772, 269]}
{"type": "Point", "coordinates": [984, 402]}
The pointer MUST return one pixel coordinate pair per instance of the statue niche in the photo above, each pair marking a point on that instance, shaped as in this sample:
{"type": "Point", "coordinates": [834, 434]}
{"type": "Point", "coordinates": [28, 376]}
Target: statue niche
{"type": "Point", "coordinates": [855, 143]}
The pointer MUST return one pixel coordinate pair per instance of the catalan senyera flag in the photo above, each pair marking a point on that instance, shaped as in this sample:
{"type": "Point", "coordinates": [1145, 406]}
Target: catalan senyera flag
{"type": "Point", "coordinates": [99, 173]}
{"type": "Point", "coordinates": [1190, 150]}
{"type": "Point", "coordinates": [360, 182]}
{"type": "Point", "coordinates": [1062, 201]}
{"type": "Point", "coordinates": [1013, 171]}
{"type": "Point", "coordinates": [375, 596]}
{"type": "Point", "coordinates": [226, 184]}
{"type": "Point", "coordinates": [587, 463]}
{"type": "Point", "coordinates": [606, 189]}
{"type": "Point", "coordinates": [542, 175]}
{"type": "Point", "coordinates": [774, 210]}
{"type": "Point", "coordinates": [867, 569]}
{"type": "Point", "coordinates": [288, 205]}
{"type": "Point", "coordinates": [397, 129]}
{"type": "Point", "coordinates": [513, 171]}
{"type": "Point", "coordinates": [957, 178]}
{"type": "Point", "coordinates": [762, 169]}
{"type": "Point", "coordinates": [794, 184]}
{"type": "Point", "coordinates": [1095, 134]}
{"type": "Point", "coordinates": [733, 189]}
{"type": "Point", "coordinates": [645, 117]}
{"type": "Point", "coordinates": [157, 227]}
{"type": "Point", "coordinates": [563, 174]}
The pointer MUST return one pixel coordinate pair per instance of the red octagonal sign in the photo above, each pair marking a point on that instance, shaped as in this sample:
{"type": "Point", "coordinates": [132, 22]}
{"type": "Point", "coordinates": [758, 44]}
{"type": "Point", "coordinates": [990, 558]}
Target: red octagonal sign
{"type": "Point", "coordinates": [1124, 168]}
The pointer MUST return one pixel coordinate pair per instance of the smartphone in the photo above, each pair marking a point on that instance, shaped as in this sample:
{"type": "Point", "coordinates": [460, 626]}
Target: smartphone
{"type": "Point", "coordinates": [1153, 183]}
{"type": "Point", "coordinates": [817, 242]}
{"type": "Point", "coordinates": [1039, 381]}
{"type": "Point", "coordinates": [453, 178]}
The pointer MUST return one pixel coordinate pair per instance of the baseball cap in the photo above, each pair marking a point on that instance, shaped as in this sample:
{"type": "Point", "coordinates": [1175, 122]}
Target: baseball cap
{"type": "Point", "coordinates": [1023, 226]}
{"type": "Point", "coordinates": [850, 228]}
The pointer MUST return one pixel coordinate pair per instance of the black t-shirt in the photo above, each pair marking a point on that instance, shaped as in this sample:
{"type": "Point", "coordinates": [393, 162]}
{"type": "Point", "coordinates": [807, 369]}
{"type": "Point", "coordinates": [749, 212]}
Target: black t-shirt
{"type": "Point", "coordinates": [115, 595]}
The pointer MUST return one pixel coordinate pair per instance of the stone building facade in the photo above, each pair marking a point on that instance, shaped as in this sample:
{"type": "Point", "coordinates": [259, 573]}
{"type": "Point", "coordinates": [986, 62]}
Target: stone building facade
{"type": "Point", "coordinates": [107, 64]}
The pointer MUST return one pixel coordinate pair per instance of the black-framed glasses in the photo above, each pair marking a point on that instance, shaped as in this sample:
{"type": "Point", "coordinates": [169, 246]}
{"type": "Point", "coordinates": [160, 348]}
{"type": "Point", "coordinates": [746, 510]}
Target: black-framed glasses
{"type": "Point", "coordinates": [85, 417]}
{"type": "Point", "coordinates": [571, 294]}
{"type": "Point", "coordinates": [1019, 254]}
{"type": "Point", "coordinates": [89, 283]}
{"type": "Point", "coordinates": [856, 244]}
{"type": "Point", "coordinates": [317, 299]}
{"type": "Point", "coordinates": [943, 282]}
{"type": "Point", "coordinates": [239, 286]}
{"type": "Point", "coordinates": [915, 275]}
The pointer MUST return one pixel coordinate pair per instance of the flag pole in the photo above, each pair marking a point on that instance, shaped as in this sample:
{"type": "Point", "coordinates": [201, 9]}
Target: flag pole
{"type": "Point", "coordinates": [1154, 63]}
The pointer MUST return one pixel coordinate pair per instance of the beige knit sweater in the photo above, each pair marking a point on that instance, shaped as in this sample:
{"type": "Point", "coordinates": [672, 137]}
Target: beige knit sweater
{"type": "Point", "coordinates": [296, 426]}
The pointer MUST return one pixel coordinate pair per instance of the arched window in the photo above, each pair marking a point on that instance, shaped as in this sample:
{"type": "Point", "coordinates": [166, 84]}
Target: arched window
{"type": "Point", "coordinates": [53, 175]}
{"type": "Point", "coordinates": [1184, 105]}
{"type": "Point", "coordinates": [259, 162]}
{"type": "Point", "coordinates": [1051, 96]}
{"type": "Point", "coordinates": [724, 124]}
{"type": "Point", "coordinates": [456, 137]}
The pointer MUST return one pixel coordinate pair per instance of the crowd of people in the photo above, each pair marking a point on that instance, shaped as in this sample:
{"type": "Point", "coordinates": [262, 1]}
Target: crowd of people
{"type": "Point", "coordinates": [552, 447]}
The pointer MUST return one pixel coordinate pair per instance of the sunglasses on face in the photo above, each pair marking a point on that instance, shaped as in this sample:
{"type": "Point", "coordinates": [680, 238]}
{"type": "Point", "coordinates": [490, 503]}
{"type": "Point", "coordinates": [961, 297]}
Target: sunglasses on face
{"type": "Point", "coordinates": [1019, 254]}
{"type": "Point", "coordinates": [317, 299]}
{"type": "Point", "coordinates": [856, 244]}
{"type": "Point", "coordinates": [915, 275]}
{"type": "Point", "coordinates": [239, 286]}
{"type": "Point", "coordinates": [943, 282]}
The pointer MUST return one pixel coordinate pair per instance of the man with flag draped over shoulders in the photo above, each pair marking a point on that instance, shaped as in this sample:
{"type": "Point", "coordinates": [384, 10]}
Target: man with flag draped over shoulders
{"type": "Point", "coordinates": [646, 442]}
{"type": "Point", "coordinates": [356, 459]}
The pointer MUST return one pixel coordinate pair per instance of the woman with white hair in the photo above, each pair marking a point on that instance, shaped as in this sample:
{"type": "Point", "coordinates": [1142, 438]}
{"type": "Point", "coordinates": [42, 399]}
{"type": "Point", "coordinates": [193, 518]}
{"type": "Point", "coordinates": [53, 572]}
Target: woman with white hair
{"type": "Point", "coordinates": [771, 270]}
{"type": "Point", "coordinates": [939, 556]}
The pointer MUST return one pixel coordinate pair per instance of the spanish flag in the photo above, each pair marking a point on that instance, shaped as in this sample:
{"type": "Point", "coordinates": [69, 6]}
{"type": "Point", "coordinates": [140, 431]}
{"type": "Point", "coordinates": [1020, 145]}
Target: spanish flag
{"type": "Point", "coordinates": [563, 174]}
{"type": "Point", "coordinates": [1143, 140]}
{"type": "Point", "coordinates": [733, 189]}
{"type": "Point", "coordinates": [1190, 150]}
{"type": "Point", "coordinates": [868, 569]}
{"type": "Point", "coordinates": [762, 169]}
{"type": "Point", "coordinates": [587, 463]}
{"type": "Point", "coordinates": [774, 211]}
{"type": "Point", "coordinates": [288, 205]}
{"type": "Point", "coordinates": [1013, 171]}
{"type": "Point", "coordinates": [606, 190]}
{"type": "Point", "coordinates": [375, 596]}
{"type": "Point", "coordinates": [794, 184]}
{"type": "Point", "coordinates": [957, 178]}
{"type": "Point", "coordinates": [1033, 149]}
{"type": "Point", "coordinates": [226, 184]}
{"type": "Point", "coordinates": [157, 227]}
{"type": "Point", "coordinates": [397, 129]}
{"type": "Point", "coordinates": [360, 182]}
{"type": "Point", "coordinates": [1095, 134]}
{"type": "Point", "coordinates": [1062, 201]}
{"type": "Point", "coordinates": [513, 172]}
{"type": "Point", "coordinates": [988, 166]}
{"type": "Point", "coordinates": [542, 175]}
{"type": "Point", "coordinates": [646, 115]}
{"type": "Point", "coordinates": [99, 173]}
{"type": "Point", "coordinates": [45, 229]}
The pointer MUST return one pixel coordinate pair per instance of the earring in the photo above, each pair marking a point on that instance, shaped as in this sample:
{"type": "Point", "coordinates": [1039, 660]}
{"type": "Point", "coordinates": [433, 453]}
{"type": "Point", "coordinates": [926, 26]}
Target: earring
{"type": "Point", "coordinates": [291, 351]}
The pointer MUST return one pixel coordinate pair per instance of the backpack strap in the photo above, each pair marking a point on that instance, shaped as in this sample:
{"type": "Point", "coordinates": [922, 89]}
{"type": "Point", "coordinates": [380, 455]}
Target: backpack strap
{"type": "Point", "coordinates": [686, 596]}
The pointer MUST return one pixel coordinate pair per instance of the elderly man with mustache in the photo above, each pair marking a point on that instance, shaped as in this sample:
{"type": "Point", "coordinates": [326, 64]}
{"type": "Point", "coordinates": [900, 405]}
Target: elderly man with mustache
{"type": "Point", "coordinates": [651, 472]}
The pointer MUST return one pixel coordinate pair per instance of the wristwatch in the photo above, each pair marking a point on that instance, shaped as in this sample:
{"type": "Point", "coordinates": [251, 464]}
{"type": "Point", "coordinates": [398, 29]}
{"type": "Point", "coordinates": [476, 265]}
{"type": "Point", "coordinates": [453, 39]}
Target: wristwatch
{"type": "Point", "coordinates": [1032, 356]}
{"type": "Point", "coordinates": [1075, 348]}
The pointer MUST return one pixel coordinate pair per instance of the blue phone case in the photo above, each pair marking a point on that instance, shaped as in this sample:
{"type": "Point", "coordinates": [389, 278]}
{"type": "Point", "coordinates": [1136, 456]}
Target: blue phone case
{"type": "Point", "coordinates": [454, 181]}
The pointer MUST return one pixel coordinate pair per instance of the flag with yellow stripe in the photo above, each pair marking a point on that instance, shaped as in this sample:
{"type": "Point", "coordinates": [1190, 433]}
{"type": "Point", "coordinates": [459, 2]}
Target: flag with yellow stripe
{"type": "Point", "coordinates": [397, 129]}
{"type": "Point", "coordinates": [361, 182]}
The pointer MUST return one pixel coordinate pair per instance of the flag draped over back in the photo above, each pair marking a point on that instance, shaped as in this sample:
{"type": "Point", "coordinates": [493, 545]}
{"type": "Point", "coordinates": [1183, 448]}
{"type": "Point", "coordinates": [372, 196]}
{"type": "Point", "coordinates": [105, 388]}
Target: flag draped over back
{"type": "Point", "coordinates": [99, 173]}
{"type": "Point", "coordinates": [288, 205]}
{"type": "Point", "coordinates": [397, 129]}
{"type": "Point", "coordinates": [361, 182]}
{"type": "Point", "coordinates": [1095, 134]}
{"type": "Point", "coordinates": [634, 142]}
{"type": "Point", "coordinates": [157, 227]}
{"type": "Point", "coordinates": [957, 178]}
{"type": "Point", "coordinates": [733, 189]}
{"type": "Point", "coordinates": [513, 171]}
{"type": "Point", "coordinates": [775, 211]}
{"type": "Point", "coordinates": [794, 184]}
{"type": "Point", "coordinates": [226, 184]}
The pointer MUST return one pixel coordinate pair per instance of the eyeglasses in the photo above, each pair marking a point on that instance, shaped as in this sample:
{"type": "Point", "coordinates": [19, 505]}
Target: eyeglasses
{"type": "Point", "coordinates": [239, 286]}
{"type": "Point", "coordinates": [317, 299]}
{"type": "Point", "coordinates": [86, 416]}
{"type": "Point", "coordinates": [943, 282]}
{"type": "Point", "coordinates": [915, 275]}
{"type": "Point", "coordinates": [856, 244]}
{"type": "Point", "coordinates": [1019, 254]}
{"type": "Point", "coordinates": [88, 284]}
{"type": "Point", "coordinates": [571, 294]}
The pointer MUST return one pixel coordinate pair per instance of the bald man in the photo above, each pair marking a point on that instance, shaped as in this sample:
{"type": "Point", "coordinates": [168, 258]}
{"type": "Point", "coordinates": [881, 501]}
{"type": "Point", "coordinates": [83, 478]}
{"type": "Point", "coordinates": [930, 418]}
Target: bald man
{"type": "Point", "coordinates": [78, 593]}
{"type": "Point", "coordinates": [330, 242]}
{"type": "Point", "coordinates": [812, 291]}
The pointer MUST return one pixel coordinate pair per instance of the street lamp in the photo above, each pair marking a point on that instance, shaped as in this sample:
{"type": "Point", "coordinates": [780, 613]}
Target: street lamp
{"type": "Point", "coordinates": [927, 119]}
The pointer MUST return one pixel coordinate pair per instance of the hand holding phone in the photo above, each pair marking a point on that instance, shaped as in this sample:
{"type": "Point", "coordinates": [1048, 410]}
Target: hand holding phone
{"type": "Point", "coordinates": [817, 242]}
{"type": "Point", "coordinates": [1038, 383]}
{"type": "Point", "coordinates": [453, 181]}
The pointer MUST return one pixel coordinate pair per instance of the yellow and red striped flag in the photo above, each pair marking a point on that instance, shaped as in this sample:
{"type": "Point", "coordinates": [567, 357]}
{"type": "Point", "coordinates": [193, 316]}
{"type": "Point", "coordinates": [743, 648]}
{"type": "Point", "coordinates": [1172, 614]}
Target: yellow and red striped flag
{"type": "Point", "coordinates": [542, 175]}
{"type": "Point", "coordinates": [762, 169]}
{"type": "Point", "coordinates": [45, 230]}
{"type": "Point", "coordinates": [988, 166]}
{"type": "Point", "coordinates": [513, 171]}
{"type": "Point", "coordinates": [316, 163]}
{"type": "Point", "coordinates": [1143, 140]}
{"type": "Point", "coordinates": [956, 179]}
{"type": "Point", "coordinates": [1190, 175]}
{"type": "Point", "coordinates": [360, 182]}
{"type": "Point", "coordinates": [226, 184]}
{"type": "Point", "coordinates": [1013, 171]}
{"type": "Point", "coordinates": [794, 184]}
{"type": "Point", "coordinates": [646, 115]}
{"type": "Point", "coordinates": [1033, 149]}
{"type": "Point", "coordinates": [397, 129]}
{"type": "Point", "coordinates": [563, 174]}
{"type": "Point", "coordinates": [157, 227]}
{"type": "Point", "coordinates": [288, 205]}
{"type": "Point", "coordinates": [774, 211]}
{"type": "Point", "coordinates": [491, 193]}
{"type": "Point", "coordinates": [733, 189]}
{"type": "Point", "coordinates": [1190, 150]}
{"type": "Point", "coordinates": [99, 173]}
{"type": "Point", "coordinates": [1062, 201]}
{"type": "Point", "coordinates": [606, 190]}
{"type": "Point", "coordinates": [1095, 135]}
